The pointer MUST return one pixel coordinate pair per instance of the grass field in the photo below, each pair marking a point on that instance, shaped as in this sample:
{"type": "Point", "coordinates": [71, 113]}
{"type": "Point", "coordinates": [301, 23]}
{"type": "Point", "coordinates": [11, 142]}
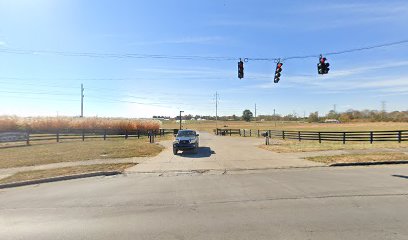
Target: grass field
{"type": "Point", "coordinates": [366, 157]}
{"type": "Point", "coordinates": [40, 174]}
{"type": "Point", "coordinates": [285, 146]}
{"type": "Point", "coordinates": [301, 126]}
{"type": "Point", "coordinates": [76, 151]}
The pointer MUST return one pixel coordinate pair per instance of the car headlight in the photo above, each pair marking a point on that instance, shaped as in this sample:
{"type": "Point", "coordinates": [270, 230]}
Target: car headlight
{"type": "Point", "coordinates": [176, 141]}
{"type": "Point", "coordinates": [192, 140]}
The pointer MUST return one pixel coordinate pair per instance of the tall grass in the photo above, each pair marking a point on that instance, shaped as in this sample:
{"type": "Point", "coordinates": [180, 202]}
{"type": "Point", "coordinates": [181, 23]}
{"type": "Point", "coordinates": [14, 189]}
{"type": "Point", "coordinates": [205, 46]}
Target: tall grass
{"type": "Point", "coordinates": [10, 123]}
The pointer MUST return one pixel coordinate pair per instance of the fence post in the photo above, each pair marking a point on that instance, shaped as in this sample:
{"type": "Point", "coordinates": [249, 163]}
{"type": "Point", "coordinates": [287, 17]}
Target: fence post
{"type": "Point", "coordinates": [83, 135]}
{"type": "Point", "coordinates": [244, 133]}
{"type": "Point", "coordinates": [320, 137]}
{"type": "Point", "coordinates": [283, 134]}
{"type": "Point", "coordinates": [299, 136]}
{"type": "Point", "coordinates": [126, 134]}
{"type": "Point", "coordinates": [250, 132]}
{"type": "Point", "coordinates": [240, 133]}
{"type": "Point", "coordinates": [269, 133]}
{"type": "Point", "coordinates": [28, 138]}
{"type": "Point", "coordinates": [138, 134]}
{"type": "Point", "coordinates": [104, 134]}
{"type": "Point", "coordinates": [344, 137]}
{"type": "Point", "coordinates": [258, 133]}
{"type": "Point", "coordinates": [230, 132]}
{"type": "Point", "coordinates": [399, 136]}
{"type": "Point", "coordinates": [57, 136]}
{"type": "Point", "coordinates": [371, 137]}
{"type": "Point", "coordinates": [151, 136]}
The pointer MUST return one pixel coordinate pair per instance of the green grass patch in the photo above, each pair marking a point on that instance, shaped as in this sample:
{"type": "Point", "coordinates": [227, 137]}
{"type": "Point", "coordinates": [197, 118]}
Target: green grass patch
{"type": "Point", "coordinates": [57, 172]}
{"type": "Point", "coordinates": [285, 146]}
{"type": "Point", "coordinates": [360, 158]}
{"type": "Point", "coordinates": [76, 151]}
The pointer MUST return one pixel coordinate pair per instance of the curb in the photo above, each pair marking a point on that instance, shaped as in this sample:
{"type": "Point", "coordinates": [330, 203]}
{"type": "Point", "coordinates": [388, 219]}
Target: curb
{"type": "Point", "coordinates": [57, 179]}
{"type": "Point", "coordinates": [367, 163]}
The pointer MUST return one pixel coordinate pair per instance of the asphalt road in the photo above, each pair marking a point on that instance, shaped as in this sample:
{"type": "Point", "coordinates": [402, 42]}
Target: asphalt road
{"type": "Point", "coordinates": [314, 203]}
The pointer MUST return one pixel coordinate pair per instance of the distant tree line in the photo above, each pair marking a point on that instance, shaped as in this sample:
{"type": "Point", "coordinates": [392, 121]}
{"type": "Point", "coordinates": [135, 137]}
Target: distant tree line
{"type": "Point", "coordinates": [347, 116]}
{"type": "Point", "coordinates": [366, 116]}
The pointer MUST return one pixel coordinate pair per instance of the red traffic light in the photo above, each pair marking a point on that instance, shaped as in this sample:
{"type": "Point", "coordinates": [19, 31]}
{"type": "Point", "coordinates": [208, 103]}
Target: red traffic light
{"type": "Point", "coordinates": [322, 60]}
{"type": "Point", "coordinates": [279, 65]}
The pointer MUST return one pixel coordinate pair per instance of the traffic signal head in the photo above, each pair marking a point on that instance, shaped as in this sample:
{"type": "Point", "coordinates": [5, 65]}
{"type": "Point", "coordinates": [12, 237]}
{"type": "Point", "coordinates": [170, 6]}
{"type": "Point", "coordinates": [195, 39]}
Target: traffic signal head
{"type": "Point", "coordinates": [323, 66]}
{"type": "Point", "coordinates": [278, 72]}
{"type": "Point", "coordinates": [326, 68]}
{"type": "Point", "coordinates": [240, 69]}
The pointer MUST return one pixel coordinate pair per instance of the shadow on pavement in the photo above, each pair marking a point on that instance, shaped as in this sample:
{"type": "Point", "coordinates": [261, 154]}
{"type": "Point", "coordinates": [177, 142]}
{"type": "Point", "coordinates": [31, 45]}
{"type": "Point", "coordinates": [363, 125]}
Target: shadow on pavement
{"type": "Point", "coordinates": [400, 176]}
{"type": "Point", "coordinates": [202, 153]}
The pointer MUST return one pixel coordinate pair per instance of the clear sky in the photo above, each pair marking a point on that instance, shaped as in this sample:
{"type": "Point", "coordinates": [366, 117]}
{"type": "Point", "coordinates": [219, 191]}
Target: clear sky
{"type": "Point", "coordinates": [36, 83]}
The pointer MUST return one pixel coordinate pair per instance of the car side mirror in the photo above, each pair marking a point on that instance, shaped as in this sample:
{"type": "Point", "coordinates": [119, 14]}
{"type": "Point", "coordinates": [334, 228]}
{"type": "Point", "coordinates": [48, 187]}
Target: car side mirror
{"type": "Point", "coordinates": [197, 135]}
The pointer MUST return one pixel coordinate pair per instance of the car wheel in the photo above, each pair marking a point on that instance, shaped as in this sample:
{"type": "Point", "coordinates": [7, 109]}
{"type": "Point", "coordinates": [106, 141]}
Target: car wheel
{"type": "Point", "coordinates": [175, 150]}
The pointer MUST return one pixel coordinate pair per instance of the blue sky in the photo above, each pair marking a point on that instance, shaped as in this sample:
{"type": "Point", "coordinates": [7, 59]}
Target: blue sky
{"type": "Point", "coordinates": [36, 83]}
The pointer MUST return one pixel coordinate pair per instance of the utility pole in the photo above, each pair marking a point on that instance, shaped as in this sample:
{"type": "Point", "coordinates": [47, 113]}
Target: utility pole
{"type": "Point", "coordinates": [216, 110]}
{"type": "Point", "coordinates": [274, 119]}
{"type": "Point", "coordinates": [383, 104]}
{"type": "Point", "coordinates": [82, 100]}
{"type": "Point", "coordinates": [383, 109]}
{"type": "Point", "coordinates": [255, 111]}
{"type": "Point", "coordinates": [334, 108]}
{"type": "Point", "coordinates": [180, 118]}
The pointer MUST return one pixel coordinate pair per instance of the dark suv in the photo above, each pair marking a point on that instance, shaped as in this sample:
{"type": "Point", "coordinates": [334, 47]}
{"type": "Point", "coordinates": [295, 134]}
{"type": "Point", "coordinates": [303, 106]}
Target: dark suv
{"type": "Point", "coordinates": [186, 140]}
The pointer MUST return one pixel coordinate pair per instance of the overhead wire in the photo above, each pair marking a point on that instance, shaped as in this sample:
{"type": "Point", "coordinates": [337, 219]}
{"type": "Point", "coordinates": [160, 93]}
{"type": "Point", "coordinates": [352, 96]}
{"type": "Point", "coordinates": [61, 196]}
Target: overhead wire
{"type": "Point", "coordinates": [188, 57]}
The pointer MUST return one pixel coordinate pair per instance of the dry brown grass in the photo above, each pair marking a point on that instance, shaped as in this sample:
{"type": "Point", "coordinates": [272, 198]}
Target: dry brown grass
{"type": "Point", "coordinates": [56, 172]}
{"type": "Point", "coordinates": [284, 146]}
{"type": "Point", "coordinates": [360, 158]}
{"type": "Point", "coordinates": [293, 126]}
{"type": "Point", "coordinates": [8, 123]}
{"type": "Point", "coordinates": [52, 123]}
{"type": "Point", "coordinates": [76, 151]}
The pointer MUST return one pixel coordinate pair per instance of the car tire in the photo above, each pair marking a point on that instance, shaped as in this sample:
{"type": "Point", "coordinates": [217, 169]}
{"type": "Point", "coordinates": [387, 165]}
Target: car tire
{"type": "Point", "coordinates": [175, 150]}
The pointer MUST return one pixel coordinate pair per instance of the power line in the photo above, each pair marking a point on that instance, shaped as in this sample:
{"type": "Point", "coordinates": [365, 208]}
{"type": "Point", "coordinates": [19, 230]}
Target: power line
{"type": "Point", "coordinates": [37, 85]}
{"type": "Point", "coordinates": [114, 55]}
{"type": "Point", "coordinates": [346, 51]}
{"type": "Point", "coordinates": [186, 57]}
{"type": "Point", "coordinates": [40, 93]}
{"type": "Point", "coordinates": [43, 99]}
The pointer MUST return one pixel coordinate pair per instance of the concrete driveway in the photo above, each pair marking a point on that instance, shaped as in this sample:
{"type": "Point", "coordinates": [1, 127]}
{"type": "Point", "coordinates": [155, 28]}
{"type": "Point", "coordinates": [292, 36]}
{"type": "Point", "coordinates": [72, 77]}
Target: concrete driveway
{"type": "Point", "coordinates": [221, 153]}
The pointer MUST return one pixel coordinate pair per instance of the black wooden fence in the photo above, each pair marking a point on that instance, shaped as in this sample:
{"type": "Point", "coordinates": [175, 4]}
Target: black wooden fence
{"type": "Point", "coordinates": [78, 134]}
{"type": "Point", "coordinates": [352, 136]}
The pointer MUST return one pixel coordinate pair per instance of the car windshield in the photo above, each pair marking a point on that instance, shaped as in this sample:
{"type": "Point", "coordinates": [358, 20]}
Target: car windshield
{"type": "Point", "coordinates": [186, 134]}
